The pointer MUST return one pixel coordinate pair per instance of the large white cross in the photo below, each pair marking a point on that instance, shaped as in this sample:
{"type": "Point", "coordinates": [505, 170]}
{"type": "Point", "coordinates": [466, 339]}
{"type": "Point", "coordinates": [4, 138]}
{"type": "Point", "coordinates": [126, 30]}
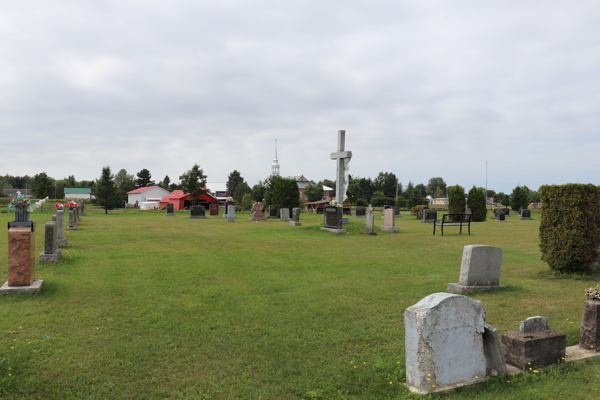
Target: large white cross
{"type": "Point", "coordinates": [341, 156]}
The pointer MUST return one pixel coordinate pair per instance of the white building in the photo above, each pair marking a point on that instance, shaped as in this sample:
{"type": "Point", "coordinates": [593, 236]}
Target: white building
{"type": "Point", "coordinates": [144, 194]}
{"type": "Point", "coordinates": [217, 190]}
{"type": "Point", "coordinates": [78, 193]}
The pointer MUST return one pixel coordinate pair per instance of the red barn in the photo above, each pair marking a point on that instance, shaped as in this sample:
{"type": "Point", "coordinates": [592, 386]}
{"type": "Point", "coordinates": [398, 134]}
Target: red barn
{"type": "Point", "coordinates": [182, 200]}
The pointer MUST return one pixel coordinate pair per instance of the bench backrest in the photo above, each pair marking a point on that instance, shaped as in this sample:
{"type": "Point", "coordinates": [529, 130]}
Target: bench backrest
{"type": "Point", "coordinates": [456, 217]}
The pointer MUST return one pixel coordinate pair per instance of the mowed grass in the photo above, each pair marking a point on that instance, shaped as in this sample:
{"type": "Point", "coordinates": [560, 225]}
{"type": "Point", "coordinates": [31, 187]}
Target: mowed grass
{"type": "Point", "coordinates": [151, 307]}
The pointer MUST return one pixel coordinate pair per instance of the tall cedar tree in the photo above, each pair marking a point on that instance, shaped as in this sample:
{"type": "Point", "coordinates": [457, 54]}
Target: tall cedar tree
{"type": "Point", "coordinates": [193, 181]}
{"type": "Point", "coordinates": [233, 180]}
{"type": "Point", "coordinates": [106, 191]}
{"type": "Point", "coordinates": [144, 178]}
{"type": "Point", "coordinates": [240, 191]}
{"type": "Point", "coordinates": [43, 186]}
{"type": "Point", "coordinates": [286, 194]}
{"type": "Point", "coordinates": [456, 200]}
{"type": "Point", "coordinates": [519, 198]}
{"type": "Point", "coordinates": [476, 202]}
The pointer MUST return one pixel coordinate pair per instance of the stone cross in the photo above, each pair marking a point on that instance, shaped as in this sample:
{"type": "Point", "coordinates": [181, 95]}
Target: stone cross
{"type": "Point", "coordinates": [343, 158]}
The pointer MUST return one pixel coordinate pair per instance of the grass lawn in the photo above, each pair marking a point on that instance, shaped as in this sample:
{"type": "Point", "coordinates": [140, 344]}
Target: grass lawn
{"type": "Point", "coordinates": [151, 307]}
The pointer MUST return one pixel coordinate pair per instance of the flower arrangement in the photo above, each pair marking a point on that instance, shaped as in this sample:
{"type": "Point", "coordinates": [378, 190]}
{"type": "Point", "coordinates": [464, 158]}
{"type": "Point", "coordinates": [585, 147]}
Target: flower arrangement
{"type": "Point", "coordinates": [71, 204]}
{"type": "Point", "coordinates": [593, 293]}
{"type": "Point", "coordinates": [20, 201]}
{"type": "Point", "coordinates": [59, 206]}
{"type": "Point", "coordinates": [334, 203]}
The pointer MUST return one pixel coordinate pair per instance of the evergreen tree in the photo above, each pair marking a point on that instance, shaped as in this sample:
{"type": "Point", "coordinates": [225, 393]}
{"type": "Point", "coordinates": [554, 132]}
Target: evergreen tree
{"type": "Point", "coordinates": [456, 200]}
{"type": "Point", "coordinates": [285, 194]}
{"type": "Point", "coordinates": [124, 183]}
{"type": "Point", "coordinates": [233, 180]}
{"type": "Point", "coordinates": [71, 182]}
{"type": "Point", "coordinates": [43, 186]}
{"type": "Point", "coordinates": [144, 178]}
{"type": "Point", "coordinates": [477, 203]}
{"type": "Point", "coordinates": [258, 192]}
{"type": "Point", "coordinates": [193, 182]}
{"type": "Point", "coordinates": [106, 192]}
{"type": "Point", "coordinates": [240, 191]}
{"type": "Point", "coordinates": [434, 184]}
{"type": "Point", "coordinates": [519, 198]}
{"type": "Point", "coordinates": [415, 197]}
{"type": "Point", "coordinates": [165, 183]}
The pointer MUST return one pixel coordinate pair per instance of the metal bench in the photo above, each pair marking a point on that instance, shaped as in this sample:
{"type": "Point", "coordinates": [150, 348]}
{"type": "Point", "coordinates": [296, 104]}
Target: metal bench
{"type": "Point", "coordinates": [453, 220]}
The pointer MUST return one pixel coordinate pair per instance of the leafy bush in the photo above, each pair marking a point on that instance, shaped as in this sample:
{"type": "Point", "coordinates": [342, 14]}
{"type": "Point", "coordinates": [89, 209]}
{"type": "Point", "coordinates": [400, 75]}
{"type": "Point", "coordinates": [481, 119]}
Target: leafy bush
{"type": "Point", "coordinates": [476, 202]}
{"type": "Point", "coordinates": [456, 200]}
{"type": "Point", "coordinates": [417, 211]}
{"type": "Point", "coordinates": [570, 226]}
{"type": "Point", "coordinates": [362, 202]}
{"type": "Point", "coordinates": [401, 202]}
{"type": "Point", "coordinates": [519, 198]}
{"type": "Point", "coordinates": [247, 202]}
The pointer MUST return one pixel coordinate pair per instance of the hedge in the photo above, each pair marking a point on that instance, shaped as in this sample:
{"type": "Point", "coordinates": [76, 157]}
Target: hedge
{"type": "Point", "coordinates": [570, 226]}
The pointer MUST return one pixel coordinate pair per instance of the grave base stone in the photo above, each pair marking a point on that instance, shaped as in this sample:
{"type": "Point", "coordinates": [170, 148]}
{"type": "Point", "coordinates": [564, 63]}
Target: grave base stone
{"type": "Point", "coordinates": [46, 258]}
{"type": "Point", "coordinates": [589, 333]}
{"type": "Point", "coordinates": [63, 243]}
{"type": "Point", "coordinates": [33, 288]}
{"type": "Point", "coordinates": [534, 349]}
{"type": "Point", "coordinates": [294, 223]}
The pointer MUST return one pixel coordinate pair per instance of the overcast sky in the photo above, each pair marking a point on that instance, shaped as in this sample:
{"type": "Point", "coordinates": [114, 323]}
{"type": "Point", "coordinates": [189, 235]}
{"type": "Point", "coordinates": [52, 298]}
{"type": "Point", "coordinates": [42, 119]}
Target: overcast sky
{"type": "Point", "coordinates": [422, 88]}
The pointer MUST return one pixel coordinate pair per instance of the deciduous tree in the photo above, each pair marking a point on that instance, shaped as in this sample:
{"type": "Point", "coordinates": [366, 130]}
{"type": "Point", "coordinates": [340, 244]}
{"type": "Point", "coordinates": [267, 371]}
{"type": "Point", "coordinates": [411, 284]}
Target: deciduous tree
{"type": "Point", "coordinates": [193, 181]}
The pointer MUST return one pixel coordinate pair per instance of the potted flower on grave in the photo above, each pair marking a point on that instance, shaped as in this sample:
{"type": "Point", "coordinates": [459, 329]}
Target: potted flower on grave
{"type": "Point", "coordinates": [71, 204]}
{"type": "Point", "coordinates": [59, 206]}
{"type": "Point", "coordinates": [22, 206]}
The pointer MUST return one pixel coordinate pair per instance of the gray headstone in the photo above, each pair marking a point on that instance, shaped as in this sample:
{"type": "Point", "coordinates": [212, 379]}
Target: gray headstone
{"type": "Point", "coordinates": [389, 221]}
{"type": "Point", "coordinates": [534, 324]}
{"type": "Point", "coordinates": [492, 349]}
{"type": "Point", "coordinates": [61, 240]}
{"type": "Point", "coordinates": [231, 213]}
{"type": "Point", "coordinates": [481, 265]}
{"type": "Point", "coordinates": [525, 214]}
{"type": "Point", "coordinates": [284, 214]}
{"type": "Point", "coordinates": [369, 221]}
{"type": "Point", "coordinates": [296, 214]}
{"type": "Point", "coordinates": [443, 342]}
{"type": "Point", "coordinates": [50, 238]}
{"type": "Point", "coordinates": [72, 220]}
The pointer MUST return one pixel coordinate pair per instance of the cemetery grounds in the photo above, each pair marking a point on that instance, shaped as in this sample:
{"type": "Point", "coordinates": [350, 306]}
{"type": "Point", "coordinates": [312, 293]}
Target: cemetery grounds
{"type": "Point", "coordinates": [148, 307]}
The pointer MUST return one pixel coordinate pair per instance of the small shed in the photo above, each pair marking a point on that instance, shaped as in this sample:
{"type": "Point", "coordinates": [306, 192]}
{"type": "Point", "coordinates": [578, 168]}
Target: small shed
{"type": "Point", "coordinates": [147, 193]}
{"type": "Point", "coordinates": [181, 200]}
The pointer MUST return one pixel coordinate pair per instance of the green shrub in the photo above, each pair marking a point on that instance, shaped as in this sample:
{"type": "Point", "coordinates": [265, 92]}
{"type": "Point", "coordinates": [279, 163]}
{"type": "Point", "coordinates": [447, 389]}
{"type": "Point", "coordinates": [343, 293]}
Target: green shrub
{"type": "Point", "coordinates": [570, 226]}
{"type": "Point", "coordinates": [285, 194]}
{"type": "Point", "coordinates": [401, 202]}
{"type": "Point", "coordinates": [247, 202]}
{"type": "Point", "coordinates": [456, 199]}
{"type": "Point", "coordinates": [362, 202]}
{"type": "Point", "coordinates": [476, 202]}
{"type": "Point", "coordinates": [417, 211]}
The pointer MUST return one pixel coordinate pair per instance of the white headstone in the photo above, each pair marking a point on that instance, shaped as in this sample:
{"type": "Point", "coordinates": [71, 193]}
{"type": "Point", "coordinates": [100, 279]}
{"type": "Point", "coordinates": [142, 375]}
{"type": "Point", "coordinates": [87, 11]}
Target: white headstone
{"type": "Point", "coordinates": [443, 343]}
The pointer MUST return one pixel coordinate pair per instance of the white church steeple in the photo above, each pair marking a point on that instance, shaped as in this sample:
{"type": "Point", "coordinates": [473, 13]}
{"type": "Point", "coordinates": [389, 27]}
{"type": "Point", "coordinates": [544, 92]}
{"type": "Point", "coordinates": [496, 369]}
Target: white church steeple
{"type": "Point", "coordinates": [275, 165]}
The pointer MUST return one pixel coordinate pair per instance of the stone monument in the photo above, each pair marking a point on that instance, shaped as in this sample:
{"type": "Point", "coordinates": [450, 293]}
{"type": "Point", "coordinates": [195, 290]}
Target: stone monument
{"type": "Point", "coordinates": [170, 212]}
{"type": "Point", "coordinates": [284, 214]}
{"type": "Point", "coordinates": [534, 345]}
{"type": "Point", "coordinates": [295, 217]}
{"type": "Point", "coordinates": [589, 332]}
{"type": "Point", "coordinates": [369, 221]}
{"type": "Point", "coordinates": [258, 211]}
{"type": "Point", "coordinates": [229, 202]}
{"type": "Point", "coordinates": [333, 220]}
{"type": "Point", "coordinates": [501, 216]}
{"type": "Point", "coordinates": [272, 211]}
{"type": "Point", "coordinates": [360, 212]}
{"type": "Point", "coordinates": [72, 219]}
{"type": "Point", "coordinates": [479, 269]}
{"type": "Point", "coordinates": [389, 222]}
{"type": "Point", "coordinates": [231, 213]}
{"type": "Point", "coordinates": [51, 253]}
{"type": "Point", "coordinates": [443, 343]}
{"type": "Point", "coordinates": [525, 214]}
{"type": "Point", "coordinates": [197, 212]}
{"type": "Point", "coordinates": [21, 250]}
{"type": "Point", "coordinates": [429, 215]}
{"type": "Point", "coordinates": [61, 240]}
{"type": "Point", "coordinates": [214, 209]}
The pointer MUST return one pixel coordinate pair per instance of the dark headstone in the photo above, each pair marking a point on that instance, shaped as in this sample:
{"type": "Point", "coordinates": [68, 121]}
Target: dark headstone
{"type": "Point", "coordinates": [214, 209]}
{"type": "Point", "coordinates": [501, 215]}
{"type": "Point", "coordinates": [396, 210]}
{"type": "Point", "coordinates": [361, 211]}
{"type": "Point", "coordinates": [272, 211]}
{"type": "Point", "coordinates": [296, 214]}
{"type": "Point", "coordinates": [333, 217]}
{"type": "Point", "coordinates": [534, 349]}
{"type": "Point", "coordinates": [429, 215]}
{"type": "Point", "coordinates": [170, 208]}
{"type": "Point", "coordinates": [525, 214]}
{"type": "Point", "coordinates": [197, 212]}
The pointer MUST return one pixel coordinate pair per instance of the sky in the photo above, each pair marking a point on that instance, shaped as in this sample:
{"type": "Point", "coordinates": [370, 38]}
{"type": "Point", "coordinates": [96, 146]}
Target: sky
{"type": "Point", "coordinates": [422, 88]}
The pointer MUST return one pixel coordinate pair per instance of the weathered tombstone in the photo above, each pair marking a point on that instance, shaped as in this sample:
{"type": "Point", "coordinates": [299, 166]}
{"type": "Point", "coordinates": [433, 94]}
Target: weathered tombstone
{"type": "Point", "coordinates": [443, 343]}
{"type": "Point", "coordinates": [534, 345]}
{"type": "Point", "coordinates": [272, 211]}
{"type": "Point", "coordinates": [83, 207]}
{"type": "Point", "coordinates": [51, 253]}
{"type": "Point", "coordinates": [429, 215]}
{"type": "Point", "coordinates": [333, 220]}
{"type": "Point", "coordinates": [77, 217]}
{"type": "Point", "coordinates": [231, 213]}
{"type": "Point", "coordinates": [197, 212]}
{"type": "Point", "coordinates": [284, 214]}
{"type": "Point", "coordinates": [360, 212]}
{"type": "Point", "coordinates": [397, 211]}
{"type": "Point", "coordinates": [227, 204]}
{"type": "Point", "coordinates": [385, 207]}
{"type": "Point", "coordinates": [389, 222]}
{"type": "Point", "coordinates": [479, 269]}
{"type": "Point", "coordinates": [72, 219]}
{"type": "Point", "coordinates": [369, 222]}
{"type": "Point", "coordinates": [169, 212]}
{"type": "Point", "coordinates": [501, 216]}
{"type": "Point", "coordinates": [525, 214]}
{"type": "Point", "coordinates": [61, 240]}
{"type": "Point", "coordinates": [257, 212]}
{"type": "Point", "coordinates": [295, 217]}
{"type": "Point", "coordinates": [589, 332]}
{"type": "Point", "coordinates": [492, 349]}
{"type": "Point", "coordinates": [214, 209]}
{"type": "Point", "coordinates": [21, 251]}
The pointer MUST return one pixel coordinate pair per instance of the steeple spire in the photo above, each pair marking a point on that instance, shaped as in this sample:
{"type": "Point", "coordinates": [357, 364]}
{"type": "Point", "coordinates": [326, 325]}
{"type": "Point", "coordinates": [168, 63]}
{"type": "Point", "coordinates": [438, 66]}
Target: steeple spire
{"type": "Point", "coordinates": [275, 165]}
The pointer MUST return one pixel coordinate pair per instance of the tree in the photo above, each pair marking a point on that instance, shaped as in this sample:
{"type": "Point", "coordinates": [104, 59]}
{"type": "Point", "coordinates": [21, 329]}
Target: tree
{"type": "Point", "coordinates": [477, 203]}
{"type": "Point", "coordinates": [285, 193]}
{"type": "Point", "coordinates": [43, 186]}
{"type": "Point", "coordinates": [353, 191]}
{"type": "Point", "coordinates": [456, 199]}
{"type": "Point", "coordinates": [269, 184]}
{"type": "Point", "coordinates": [240, 191]}
{"type": "Point", "coordinates": [422, 189]}
{"type": "Point", "coordinates": [434, 184]}
{"type": "Point", "coordinates": [258, 192]}
{"type": "Point", "coordinates": [71, 182]}
{"type": "Point", "coordinates": [409, 190]}
{"type": "Point", "coordinates": [106, 192]}
{"type": "Point", "coordinates": [386, 183]}
{"type": "Point", "coordinates": [124, 183]}
{"type": "Point", "coordinates": [377, 198]}
{"type": "Point", "coordinates": [501, 198]}
{"type": "Point", "coordinates": [233, 180]}
{"type": "Point", "coordinates": [165, 183]}
{"type": "Point", "coordinates": [247, 202]}
{"type": "Point", "coordinates": [367, 188]}
{"type": "Point", "coordinates": [144, 178]}
{"type": "Point", "coordinates": [438, 193]}
{"type": "Point", "coordinates": [314, 192]}
{"type": "Point", "coordinates": [519, 198]}
{"type": "Point", "coordinates": [193, 181]}
{"type": "Point", "coordinates": [491, 193]}
{"type": "Point", "coordinates": [534, 196]}
{"type": "Point", "coordinates": [415, 198]}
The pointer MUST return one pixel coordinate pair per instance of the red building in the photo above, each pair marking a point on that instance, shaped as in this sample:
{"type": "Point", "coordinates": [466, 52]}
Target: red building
{"type": "Point", "coordinates": [182, 200]}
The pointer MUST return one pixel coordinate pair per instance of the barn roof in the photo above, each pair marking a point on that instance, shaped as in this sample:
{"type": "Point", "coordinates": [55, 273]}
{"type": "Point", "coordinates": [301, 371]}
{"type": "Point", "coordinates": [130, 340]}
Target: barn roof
{"type": "Point", "coordinates": [142, 189]}
{"type": "Point", "coordinates": [78, 190]}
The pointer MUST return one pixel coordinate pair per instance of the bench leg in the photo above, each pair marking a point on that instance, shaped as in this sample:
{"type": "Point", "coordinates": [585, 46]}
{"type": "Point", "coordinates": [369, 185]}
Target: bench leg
{"type": "Point", "coordinates": [434, 228]}
{"type": "Point", "coordinates": [442, 229]}
{"type": "Point", "coordinates": [460, 232]}
{"type": "Point", "coordinates": [469, 229]}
